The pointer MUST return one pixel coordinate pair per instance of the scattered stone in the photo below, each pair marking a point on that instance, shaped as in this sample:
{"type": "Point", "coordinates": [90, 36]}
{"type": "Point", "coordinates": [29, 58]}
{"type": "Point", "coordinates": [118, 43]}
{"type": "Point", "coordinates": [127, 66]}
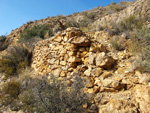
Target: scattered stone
{"type": "Point", "coordinates": [110, 83]}
{"type": "Point", "coordinates": [106, 74]}
{"type": "Point", "coordinates": [92, 59]}
{"type": "Point", "coordinates": [88, 72]}
{"type": "Point", "coordinates": [81, 41]}
{"type": "Point", "coordinates": [57, 72]}
{"type": "Point", "coordinates": [104, 61]}
{"type": "Point", "coordinates": [96, 72]}
{"type": "Point", "coordinates": [74, 59]}
{"type": "Point", "coordinates": [142, 95]}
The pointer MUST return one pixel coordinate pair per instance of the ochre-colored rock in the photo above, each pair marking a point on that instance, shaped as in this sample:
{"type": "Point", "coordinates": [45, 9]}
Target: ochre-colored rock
{"type": "Point", "coordinates": [104, 61]}
{"type": "Point", "coordinates": [109, 75]}
{"type": "Point", "coordinates": [81, 41]}
{"type": "Point", "coordinates": [142, 96]}
{"type": "Point", "coordinates": [74, 59]}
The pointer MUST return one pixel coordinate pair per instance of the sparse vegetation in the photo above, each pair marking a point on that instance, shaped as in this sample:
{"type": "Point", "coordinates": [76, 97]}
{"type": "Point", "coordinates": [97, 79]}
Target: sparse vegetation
{"type": "Point", "coordinates": [12, 88]}
{"type": "Point", "coordinates": [3, 44]}
{"type": "Point", "coordinates": [54, 97]}
{"type": "Point", "coordinates": [37, 31]}
{"type": "Point", "coordinates": [141, 46]}
{"type": "Point", "coordinates": [17, 59]}
{"type": "Point", "coordinates": [40, 95]}
{"type": "Point", "coordinates": [127, 25]}
{"type": "Point", "coordinates": [72, 23]}
{"type": "Point", "coordinates": [116, 44]}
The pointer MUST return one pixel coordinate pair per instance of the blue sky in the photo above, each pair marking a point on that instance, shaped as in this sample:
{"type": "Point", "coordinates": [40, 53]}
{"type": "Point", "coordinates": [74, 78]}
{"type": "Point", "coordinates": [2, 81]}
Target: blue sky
{"type": "Point", "coordinates": [14, 13]}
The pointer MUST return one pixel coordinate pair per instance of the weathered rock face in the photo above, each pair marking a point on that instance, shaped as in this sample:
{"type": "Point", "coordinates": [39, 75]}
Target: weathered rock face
{"type": "Point", "coordinates": [110, 75]}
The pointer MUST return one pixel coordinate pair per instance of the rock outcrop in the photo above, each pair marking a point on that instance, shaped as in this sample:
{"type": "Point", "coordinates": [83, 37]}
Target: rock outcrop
{"type": "Point", "coordinates": [109, 75]}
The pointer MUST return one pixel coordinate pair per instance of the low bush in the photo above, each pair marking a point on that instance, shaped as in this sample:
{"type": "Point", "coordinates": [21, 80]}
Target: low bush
{"type": "Point", "coordinates": [55, 97]}
{"type": "Point", "coordinates": [36, 31]}
{"type": "Point", "coordinates": [2, 38]}
{"type": "Point", "coordinates": [72, 23]}
{"type": "Point", "coordinates": [12, 88]}
{"type": "Point", "coordinates": [141, 47]}
{"type": "Point", "coordinates": [85, 22]}
{"type": "Point", "coordinates": [82, 23]}
{"type": "Point", "coordinates": [116, 44]}
{"type": "Point", "coordinates": [14, 61]}
{"type": "Point", "coordinates": [3, 44]}
{"type": "Point", "coordinates": [131, 23]}
{"type": "Point", "coordinates": [126, 25]}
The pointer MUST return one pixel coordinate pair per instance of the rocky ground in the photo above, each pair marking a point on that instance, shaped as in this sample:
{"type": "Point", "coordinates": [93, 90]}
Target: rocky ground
{"type": "Point", "coordinates": [110, 75]}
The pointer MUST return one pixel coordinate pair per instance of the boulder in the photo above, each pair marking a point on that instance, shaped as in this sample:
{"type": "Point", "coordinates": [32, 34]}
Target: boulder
{"type": "Point", "coordinates": [88, 71]}
{"type": "Point", "coordinates": [104, 61]}
{"type": "Point", "coordinates": [81, 41]}
{"type": "Point", "coordinates": [57, 72]}
{"type": "Point", "coordinates": [74, 59]}
{"type": "Point", "coordinates": [92, 59]}
{"type": "Point", "coordinates": [96, 72]}
{"type": "Point", "coordinates": [110, 83]}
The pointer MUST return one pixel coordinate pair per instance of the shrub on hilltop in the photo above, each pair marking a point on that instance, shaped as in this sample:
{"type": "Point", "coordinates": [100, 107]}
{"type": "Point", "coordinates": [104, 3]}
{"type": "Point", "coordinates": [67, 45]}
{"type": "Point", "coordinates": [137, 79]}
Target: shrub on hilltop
{"type": "Point", "coordinates": [41, 31]}
{"type": "Point", "coordinates": [3, 44]}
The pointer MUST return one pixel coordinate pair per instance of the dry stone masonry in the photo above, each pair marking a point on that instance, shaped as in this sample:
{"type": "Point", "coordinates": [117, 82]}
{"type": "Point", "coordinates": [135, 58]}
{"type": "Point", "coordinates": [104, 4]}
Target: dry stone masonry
{"type": "Point", "coordinates": [109, 75]}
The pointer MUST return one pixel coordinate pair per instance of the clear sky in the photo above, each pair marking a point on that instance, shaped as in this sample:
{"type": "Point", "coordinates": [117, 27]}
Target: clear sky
{"type": "Point", "coordinates": [14, 13]}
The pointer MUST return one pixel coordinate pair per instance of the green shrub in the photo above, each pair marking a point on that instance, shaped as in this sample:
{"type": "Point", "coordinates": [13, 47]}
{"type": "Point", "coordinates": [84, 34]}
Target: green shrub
{"type": "Point", "coordinates": [36, 31]}
{"type": "Point", "coordinates": [85, 22]}
{"type": "Point", "coordinates": [55, 97]}
{"type": "Point", "coordinates": [116, 44]}
{"type": "Point", "coordinates": [131, 23]}
{"type": "Point", "coordinates": [43, 96]}
{"type": "Point", "coordinates": [72, 23]}
{"type": "Point", "coordinates": [17, 59]}
{"type": "Point", "coordinates": [2, 38]}
{"type": "Point", "coordinates": [12, 88]}
{"type": "Point", "coordinates": [141, 47]}
{"type": "Point", "coordinates": [3, 44]}
{"type": "Point", "coordinates": [90, 16]}
{"type": "Point", "coordinates": [126, 25]}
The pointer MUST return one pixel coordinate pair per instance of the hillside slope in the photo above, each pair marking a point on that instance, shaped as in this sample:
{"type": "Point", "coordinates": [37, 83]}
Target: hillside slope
{"type": "Point", "coordinates": [42, 63]}
{"type": "Point", "coordinates": [140, 8]}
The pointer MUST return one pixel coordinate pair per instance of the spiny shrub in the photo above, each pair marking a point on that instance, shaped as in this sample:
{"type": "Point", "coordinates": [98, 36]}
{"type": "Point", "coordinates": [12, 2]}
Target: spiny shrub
{"type": "Point", "coordinates": [2, 38]}
{"type": "Point", "coordinates": [85, 22]}
{"type": "Point", "coordinates": [116, 44]}
{"type": "Point", "coordinates": [17, 59]}
{"type": "Point", "coordinates": [12, 88]}
{"type": "Point", "coordinates": [36, 31]}
{"type": "Point", "coordinates": [131, 23]}
{"type": "Point", "coordinates": [3, 44]}
{"type": "Point", "coordinates": [72, 23]}
{"type": "Point", "coordinates": [126, 25]}
{"type": "Point", "coordinates": [55, 97]}
{"type": "Point", "coordinates": [141, 46]}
